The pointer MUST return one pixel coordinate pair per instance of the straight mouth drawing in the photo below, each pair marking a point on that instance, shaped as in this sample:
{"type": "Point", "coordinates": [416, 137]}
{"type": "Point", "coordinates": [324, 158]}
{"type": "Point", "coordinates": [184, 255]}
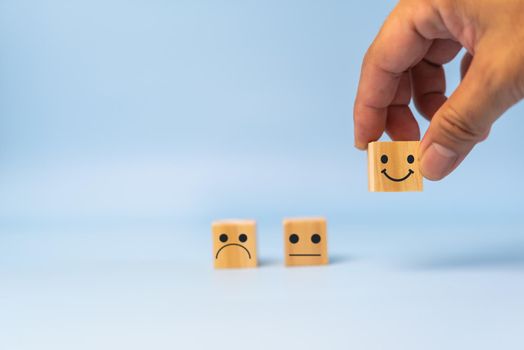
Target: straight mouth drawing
{"type": "Point", "coordinates": [304, 254]}
{"type": "Point", "coordinates": [395, 179]}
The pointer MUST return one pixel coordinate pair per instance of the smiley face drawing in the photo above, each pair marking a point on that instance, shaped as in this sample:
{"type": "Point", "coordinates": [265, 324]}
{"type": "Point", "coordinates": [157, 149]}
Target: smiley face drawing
{"type": "Point", "coordinates": [393, 167]}
{"type": "Point", "coordinates": [234, 243]}
{"type": "Point", "coordinates": [305, 242]}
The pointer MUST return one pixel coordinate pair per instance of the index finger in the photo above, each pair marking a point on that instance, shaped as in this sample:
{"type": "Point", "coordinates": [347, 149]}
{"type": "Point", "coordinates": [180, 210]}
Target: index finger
{"type": "Point", "coordinates": [403, 41]}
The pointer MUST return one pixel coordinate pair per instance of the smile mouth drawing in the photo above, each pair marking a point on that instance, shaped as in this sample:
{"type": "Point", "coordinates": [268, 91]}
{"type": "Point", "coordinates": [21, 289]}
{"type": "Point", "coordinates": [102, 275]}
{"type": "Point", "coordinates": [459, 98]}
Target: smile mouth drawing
{"type": "Point", "coordinates": [397, 180]}
{"type": "Point", "coordinates": [231, 244]}
{"type": "Point", "coordinates": [304, 254]}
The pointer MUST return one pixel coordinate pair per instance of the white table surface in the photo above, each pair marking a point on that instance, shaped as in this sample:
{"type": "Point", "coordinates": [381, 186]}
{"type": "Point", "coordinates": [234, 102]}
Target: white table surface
{"type": "Point", "coordinates": [136, 289]}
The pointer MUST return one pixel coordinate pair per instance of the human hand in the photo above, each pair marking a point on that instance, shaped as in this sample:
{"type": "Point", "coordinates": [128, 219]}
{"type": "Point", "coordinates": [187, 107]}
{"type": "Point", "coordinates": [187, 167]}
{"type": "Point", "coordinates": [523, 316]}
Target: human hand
{"type": "Point", "coordinates": [405, 60]}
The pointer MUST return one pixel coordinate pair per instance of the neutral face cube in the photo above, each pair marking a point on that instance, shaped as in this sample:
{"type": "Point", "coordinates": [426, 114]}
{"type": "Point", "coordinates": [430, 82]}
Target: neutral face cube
{"type": "Point", "coordinates": [234, 243]}
{"type": "Point", "coordinates": [394, 167]}
{"type": "Point", "coordinates": [305, 241]}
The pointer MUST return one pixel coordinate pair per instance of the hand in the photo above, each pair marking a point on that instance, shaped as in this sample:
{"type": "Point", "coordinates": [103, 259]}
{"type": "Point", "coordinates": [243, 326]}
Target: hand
{"type": "Point", "coordinates": [406, 59]}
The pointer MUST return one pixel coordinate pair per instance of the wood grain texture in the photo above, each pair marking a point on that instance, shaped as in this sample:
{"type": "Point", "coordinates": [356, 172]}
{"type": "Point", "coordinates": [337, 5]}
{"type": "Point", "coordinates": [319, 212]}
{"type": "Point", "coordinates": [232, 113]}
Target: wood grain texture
{"type": "Point", "coordinates": [394, 167]}
{"type": "Point", "coordinates": [234, 243]}
{"type": "Point", "coordinates": [305, 241]}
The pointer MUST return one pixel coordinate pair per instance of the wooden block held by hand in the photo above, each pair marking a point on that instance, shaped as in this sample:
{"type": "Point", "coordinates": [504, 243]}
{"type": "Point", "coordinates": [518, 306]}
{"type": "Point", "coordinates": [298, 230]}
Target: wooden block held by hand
{"type": "Point", "coordinates": [305, 241]}
{"type": "Point", "coordinates": [234, 243]}
{"type": "Point", "coordinates": [394, 167]}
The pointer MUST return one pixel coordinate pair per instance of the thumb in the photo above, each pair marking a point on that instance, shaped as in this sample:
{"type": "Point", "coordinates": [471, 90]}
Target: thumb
{"type": "Point", "coordinates": [466, 117]}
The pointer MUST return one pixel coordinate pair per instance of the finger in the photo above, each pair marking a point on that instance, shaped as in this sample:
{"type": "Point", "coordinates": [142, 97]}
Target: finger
{"type": "Point", "coordinates": [464, 64]}
{"type": "Point", "coordinates": [400, 45]}
{"type": "Point", "coordinates": [443, 51]}
{"type": "Point", "coordinates": [429, 87]}
{"type": "Point", "coordinates": [401, 124]}
{"type": "Point", "coordinates": [403, 93]}
{"type": "Point", "coordinates": [465, 118]}
{"type": "Point", "coordinates": [428, 76]}
{"type": "Point", "coordinates": [400, 121]}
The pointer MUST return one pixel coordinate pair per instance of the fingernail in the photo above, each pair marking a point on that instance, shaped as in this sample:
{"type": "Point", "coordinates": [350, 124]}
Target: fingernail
{"type": "Point", "coordinates": [361, 146]}
{"type": "Point", "coordinates": [437, 161]}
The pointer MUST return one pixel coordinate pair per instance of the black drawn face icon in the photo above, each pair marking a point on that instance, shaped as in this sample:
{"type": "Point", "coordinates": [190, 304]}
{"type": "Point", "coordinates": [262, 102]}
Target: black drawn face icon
{"type": "Point", "coordinates": [410, 159]}
{"type": "Point", "coordinates": [225, 238]}
{"type": "Point", "coordinates": [311, 247]}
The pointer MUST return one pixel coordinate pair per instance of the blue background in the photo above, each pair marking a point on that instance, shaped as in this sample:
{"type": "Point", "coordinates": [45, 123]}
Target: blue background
{"type": "Point", "coordinates": [126, 127]}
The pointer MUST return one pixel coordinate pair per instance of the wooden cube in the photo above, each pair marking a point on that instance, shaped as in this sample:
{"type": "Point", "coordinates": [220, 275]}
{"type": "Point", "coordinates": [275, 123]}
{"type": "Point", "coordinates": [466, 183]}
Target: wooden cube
{"type": "Point", "coordinates": [394, 167]}
{"type": "Point", "coordinates": [234, 243]}
{"type": "Point", "coordinates": [305, 241]}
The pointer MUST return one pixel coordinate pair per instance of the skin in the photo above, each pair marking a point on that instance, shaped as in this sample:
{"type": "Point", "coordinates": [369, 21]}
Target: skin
{"type": "Point", "coordinates": [406, 61]}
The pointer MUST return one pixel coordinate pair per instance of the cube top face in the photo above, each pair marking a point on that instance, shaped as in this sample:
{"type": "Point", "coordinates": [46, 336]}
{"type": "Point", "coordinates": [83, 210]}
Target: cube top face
{"type": "Point", "coordinates": [305, 241]}
{"type": "Point", "coordinates": [394, 167]}
{"type": "Point", "coordinates": [234, 243]}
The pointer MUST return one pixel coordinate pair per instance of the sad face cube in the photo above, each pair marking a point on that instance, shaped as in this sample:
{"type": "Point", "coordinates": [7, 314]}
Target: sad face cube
{"type": "Point", "coordinates": [394, 167]}
{"type": "Point", "coordinates": [234, 243]}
